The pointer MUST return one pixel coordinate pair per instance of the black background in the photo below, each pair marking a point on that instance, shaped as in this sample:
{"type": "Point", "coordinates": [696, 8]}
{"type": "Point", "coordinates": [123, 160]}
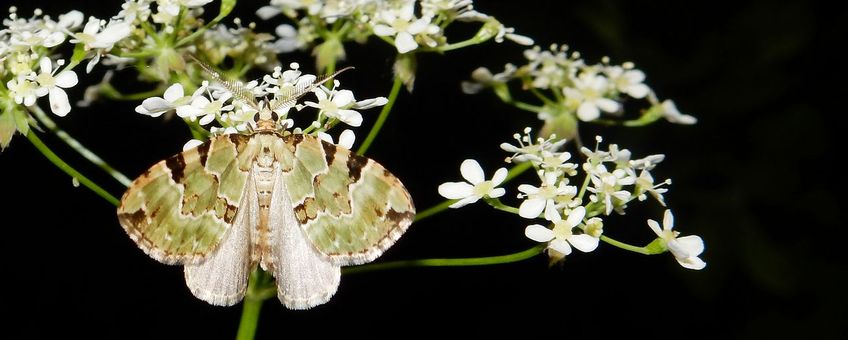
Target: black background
{"type": "Point", "coordinates": [757, 178]}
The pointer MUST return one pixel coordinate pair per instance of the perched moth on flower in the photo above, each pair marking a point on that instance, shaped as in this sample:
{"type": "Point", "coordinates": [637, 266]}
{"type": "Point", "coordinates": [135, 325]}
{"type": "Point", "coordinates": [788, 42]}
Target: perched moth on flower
{"type": "Point", "coordinates": [293, 204]}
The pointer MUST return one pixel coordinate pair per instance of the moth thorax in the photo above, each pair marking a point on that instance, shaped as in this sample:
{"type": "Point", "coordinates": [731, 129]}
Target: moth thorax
{"type": "Point", "coordinates": [266, 120]}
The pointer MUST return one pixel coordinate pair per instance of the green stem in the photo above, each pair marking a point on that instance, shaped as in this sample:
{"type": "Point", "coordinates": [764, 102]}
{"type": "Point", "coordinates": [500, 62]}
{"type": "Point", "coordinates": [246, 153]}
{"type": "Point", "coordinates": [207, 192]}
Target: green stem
{"type": "Point", "coordinates": [382, 118]}
{"type": "Point", "coordinates": [68, 169]}
{"type": "Point", "coordinates": [256, 294]}
{"type": "Point", "coordinates": [497, 204]}
{"type": "Point", "coordinates": [458, 45]}
{"type": "Point", "coordinates": [74, 144]}
{"type": "Point", "coordinates": [625, 246]}
{"type": "Point", "coordinates": [471, 261]}
{"type": "Point", "coordinates": [525, 106]}
{"type": "Point", "coordinates": [515, 171]}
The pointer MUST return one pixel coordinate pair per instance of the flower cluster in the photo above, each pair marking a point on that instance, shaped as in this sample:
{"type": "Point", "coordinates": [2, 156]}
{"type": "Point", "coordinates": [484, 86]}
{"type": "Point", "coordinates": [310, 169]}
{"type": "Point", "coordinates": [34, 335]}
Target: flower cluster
{"type": "Point", "coordinates": [408, 25]}
{"type": "Point", "coordinates": [611, 179]}
{"type": "Point", "coordinates": [234, 106]}
{"type": "Point", "coordinates": [571, 89]}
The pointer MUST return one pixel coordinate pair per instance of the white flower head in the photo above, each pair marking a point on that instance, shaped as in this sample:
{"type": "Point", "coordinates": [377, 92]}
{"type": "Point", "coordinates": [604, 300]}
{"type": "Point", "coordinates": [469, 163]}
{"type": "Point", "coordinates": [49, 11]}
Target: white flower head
{"type": "Point", "coordinates": [54, 84]}
{"type": "Point", "coordinates": [336, 104]}
{"type": "Point", "coordinates": [204, 109]}
{"type": "Point", "coordinates": [607, 186]}
{"type": "Point", "coordinates": [562, 237]}
{"type": "Point", "coordinates": [402, 25]}
{"type": "Point", "coordinates": [548, 197]}
{"type": "Point", "coordinates": [628, 80]}
{"type": "Point", "coordinates": [591, 92]}
{"type": "Point", "coordinates": [476, 188]}
{"type": "Point", "coordinates": [101, 36]}
{"type": "Point", "coordinates": [482, 78]}
{"type": "Point", "coordinates": [645, 184]}
{"type": "Point", "coordinates": [530, 150]}
{"type": "Point", "coordinates": [23, 90]}
{"type": "Point", "coordinates": [685, 249]}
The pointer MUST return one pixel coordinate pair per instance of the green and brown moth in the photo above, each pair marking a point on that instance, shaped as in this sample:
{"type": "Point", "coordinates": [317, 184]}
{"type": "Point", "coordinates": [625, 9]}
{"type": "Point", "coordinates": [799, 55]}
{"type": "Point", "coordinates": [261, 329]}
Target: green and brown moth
{"type": "Point", "coordinates": [293, 204]}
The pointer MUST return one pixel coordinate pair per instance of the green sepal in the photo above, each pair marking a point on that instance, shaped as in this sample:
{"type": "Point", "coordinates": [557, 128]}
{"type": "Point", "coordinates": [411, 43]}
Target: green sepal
{"type": "Point", "coordinates": [405, 67]}
{"type": "Point", "coordinates": [328, 52]}
{"type": "Point", "coordinates": [656, 246]}
{"type": "Point", "coordinates": [649, 116]}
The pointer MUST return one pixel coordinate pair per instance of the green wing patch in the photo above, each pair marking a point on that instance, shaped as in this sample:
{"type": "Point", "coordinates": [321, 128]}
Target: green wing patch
{"type": "Point", "coordinates": [351, 208]}
{"type": "Point", "coordinates": [178, 211]}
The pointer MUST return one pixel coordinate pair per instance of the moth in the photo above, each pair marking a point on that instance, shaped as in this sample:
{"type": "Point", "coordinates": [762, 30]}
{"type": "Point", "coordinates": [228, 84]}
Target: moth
{"type": "Point", "coordinates": [297, 206]}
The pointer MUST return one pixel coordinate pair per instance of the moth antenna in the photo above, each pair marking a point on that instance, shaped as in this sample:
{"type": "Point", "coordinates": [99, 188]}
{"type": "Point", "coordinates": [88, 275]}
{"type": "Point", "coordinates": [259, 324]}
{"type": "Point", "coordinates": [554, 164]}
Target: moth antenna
{"type": "Point", "coordinates": [289, 97]}
{"type": "Point", "coordinates": [236, 88]}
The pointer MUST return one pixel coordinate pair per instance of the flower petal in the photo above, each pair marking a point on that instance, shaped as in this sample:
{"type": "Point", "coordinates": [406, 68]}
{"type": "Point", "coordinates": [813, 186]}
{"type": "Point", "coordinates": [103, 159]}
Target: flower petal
{"type": "Point", "coordinates": [668, 220]}
{"type": "Point", "coordinates": [531, 208]}
{"type": "Point", "coordinates": [343, 98]}
{"type": "Point", "coordinates": [456, 190]}
{"type": "Point", "coordinates": [607, 104]}
{"type": "Point", "coordinates": [45, 65]}
{"type": "Point", "coordinates": [66, 79]}
{"type": "Point", "coordinates": [497, 192]}
{"type": "Point", "coordinates": [350, 117]}
{"type": "Point", "coordinates": [538, 233]}
{"type": "Point", "coordinates": [471, 171]}
{"type": "Point", "coordinates": [383, 30]}
{"type": "Point", "coordinates": [655, 227]}
{"type": "Point", "coordinates": [528, 189]}
{"type": "Point", "coordinates": [499, 177]}
{"type": "Point", "coordinates": [465, 201]}
{"type": "Point", "coordinates": [638, 91]}
{"type": "Point", "coordinates": [588, 112]}
{"type": "Point", "coordinates": [575, 217]}
{"type": "Point", "coordinates": [405, 42]}
{"type": "Point", "coordinates": [174, 92]}
{"type": "Point", "coordinates": [191, 144]}
{"type": "Point", "coordinates": [560, 246]}
{"type": "Point", "coordinates": [693, 244]}
{"type": "Point", "coordinates": [583, 242]}
{"type": "Point", "coordinates": [692, 263]}
{"type": "Point", "coordinates": [267, 12]}
{"type": "Point", "coordinates": [346, 139]}
{"type": "Point", "coordinates": [59, 102]}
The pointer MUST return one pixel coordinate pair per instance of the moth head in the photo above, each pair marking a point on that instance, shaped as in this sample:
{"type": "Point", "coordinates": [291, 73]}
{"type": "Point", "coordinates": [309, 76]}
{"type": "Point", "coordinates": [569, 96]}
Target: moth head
{"type": "Point", "coordinates": [266, 119]}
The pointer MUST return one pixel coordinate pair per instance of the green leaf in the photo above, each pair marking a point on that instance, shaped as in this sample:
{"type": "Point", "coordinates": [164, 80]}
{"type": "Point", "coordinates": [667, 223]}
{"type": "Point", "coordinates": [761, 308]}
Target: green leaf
{"type": "Point", "coordinates": [7, 126]}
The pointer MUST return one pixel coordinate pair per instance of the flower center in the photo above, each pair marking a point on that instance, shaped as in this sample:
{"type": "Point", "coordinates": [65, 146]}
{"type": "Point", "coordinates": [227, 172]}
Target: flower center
{"type": "Point", "coordinates": [400, 25]}
{"type": "Point", "coordinates": [46, 80]}
{"type": "Point", "coordinates": [483, 188]}
{"type": "Point", "coordinates": [562, 230]}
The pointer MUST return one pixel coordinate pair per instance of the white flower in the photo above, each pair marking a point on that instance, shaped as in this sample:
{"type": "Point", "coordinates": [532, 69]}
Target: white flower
{"type": "Point", "coordinates": [346, 138]}
{"type": "Point", "coordinates": [557, 162]}
{"type": "Point", "coordinates": [551, 193]}
{"type": "Point", "coordinates": [101, 36]}
{"type": "Point", "coordinates": [590, 90]}
{"type": "Point", "coordinates": [685, 249]}
{"type": "Point", "coordinates": [482, 78]}
{"type": "Point", "coordinates": [403, 26]}
{"type": "Point", "coordinates": [529, 151]}
{"type": "Point", "coordinates": [134, 9]}
{"type": "Point", "coordinates": [628, 80]}
{"type": "Point", "coordinates": [645, 183]}
{"type": "Point", "coordinates": [156, 106]}
{"type": "Point", "coordinates": [509, 33]}
{"type": "Point", "coordinates": [562, 237]}
{"type": "Point", "coordinates": [337, 105]}
{"type": "Point", "coordinates": [54, 85]}
{"type": "Point", "coordinates": [23, 90]}
{"type": "Point", "coordinates": [606, 185]}
{"type": "Point", "coordinates": [289, 39]}
{"type": "Point", "coordinates": [205, 109]}
{"type": "Point", "coordinates": [672, 114]}
{"type": "Point", "coordinates": [478, 188]}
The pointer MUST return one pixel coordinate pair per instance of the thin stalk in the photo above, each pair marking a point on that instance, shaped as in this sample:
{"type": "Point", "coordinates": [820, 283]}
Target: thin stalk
{"type": "Point", "coordinates": [257, 292]}
{"type": "Point", "coordinates": [460, 262]}
{"type": "Point", "coordinates": [74, 144]}
{"type": "Point", "coordinates": [384, 113]}
{"type": "Point", "coordinates": [625, 246]}
{"type": "Point", "coordinates": [52, 157]}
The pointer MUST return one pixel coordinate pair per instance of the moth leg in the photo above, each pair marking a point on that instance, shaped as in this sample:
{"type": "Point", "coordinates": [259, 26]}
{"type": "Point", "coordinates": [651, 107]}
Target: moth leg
{"type": "Point", "coordinates": [304, 277]}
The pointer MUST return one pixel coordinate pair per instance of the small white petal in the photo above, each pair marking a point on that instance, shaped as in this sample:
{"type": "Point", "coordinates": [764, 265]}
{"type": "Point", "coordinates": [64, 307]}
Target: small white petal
{"type": "Point", "coordinates": [607, 104]}
{"type": "Point", "coordinates": [346, 139]}
{"type": "Point", "coordinates": [45, 65]}
{"type": "Point", "coordinates": [692, 263]}
{"type": "Point", "coordinates": [499, 177]}
{"type": "Point", "coordinates": [583, 242]}
{"type": "Point", "coordinates": [655, 227]}
{"type": "Point", "coordinates": [551, 213]}
{"type": "Point", "coordinates": [528, 189]}
{"type": "Point", "coordinates": [531, 208]}
{"type": "Point", "coordinates": [668, 220]}
{"type": "Point", "coordinates": [538, 233]}
{"type": "Point", "coordinates": [206, 119]}
{"type": "Point", "coordinates": [155, 105]}
{"type": "Point", "coordinates": [350, 117]}
{"type": "Point", "coordinates": [497, 192]}
{"type": "Point", "coordinates": [59, 102]}
{"type": "Point", "coordinates": [111, 34]}
{"type": "Point", "coordinates": [369, 103]}
{"type": "Point", "coordinates": [267, 12]}
{"type": "Point", "coordinates": [471, 171]}
{"type": "Point", "coordinates": [405, 42]}
{"type": "Point", "coordinates": [456, 190]}
{"type": "Point", "coordinates": [418, 26]}
{"type": "Point", "coordinates": [383, 30]}
{"type": "Point", "coordinates": [692, 244]}
{"type": "Point", "coordinates": [66, 79]}
{"type": "Point", "coordinates": [191, 144]}
{"type": "Point", "coordinates": [465, 201]}
{"type": "Point", "coordinates": [174, 92]}
{"type": "Point", "coordinates": [638, 91]}
{"type": "Point", "coordinates": [575, 217]}
{"type": "Point", "coordinates": [325, 137]}
{"type": "Point", "coordinates": [560, 246]}
{"type": "Point", "coordinates": [588, 112]}
{"type": "Point", "coordinates": [343, 98]}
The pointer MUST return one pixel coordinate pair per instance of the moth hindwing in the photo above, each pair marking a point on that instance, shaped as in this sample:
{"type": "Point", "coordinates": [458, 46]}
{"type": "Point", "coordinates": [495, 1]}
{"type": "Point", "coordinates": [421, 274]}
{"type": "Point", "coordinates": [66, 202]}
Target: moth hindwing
{"type": "Point", "coordinates": [295, 205]}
